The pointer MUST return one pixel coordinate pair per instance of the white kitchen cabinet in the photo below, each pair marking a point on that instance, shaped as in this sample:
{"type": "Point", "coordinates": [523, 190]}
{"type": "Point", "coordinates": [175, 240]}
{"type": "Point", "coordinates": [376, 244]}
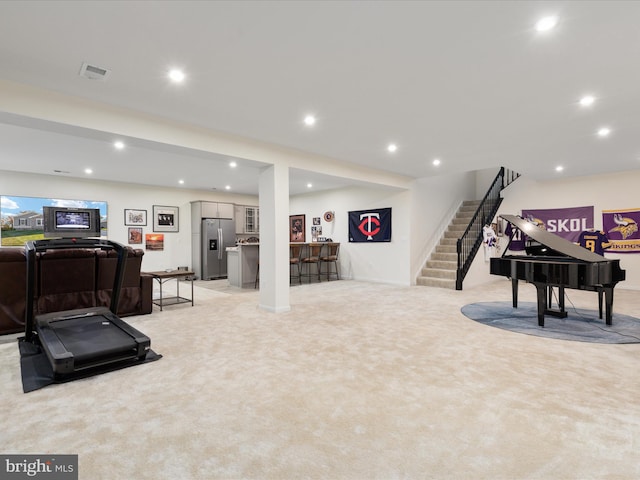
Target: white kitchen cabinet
{"type": "Point", "coordinates": [247, 219]}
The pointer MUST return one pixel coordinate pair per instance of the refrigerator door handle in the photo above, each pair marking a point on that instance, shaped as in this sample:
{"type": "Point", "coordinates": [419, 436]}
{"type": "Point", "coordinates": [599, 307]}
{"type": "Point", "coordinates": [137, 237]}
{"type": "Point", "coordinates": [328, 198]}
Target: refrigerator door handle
{"type": "Point", "coordinates": [220, 243]}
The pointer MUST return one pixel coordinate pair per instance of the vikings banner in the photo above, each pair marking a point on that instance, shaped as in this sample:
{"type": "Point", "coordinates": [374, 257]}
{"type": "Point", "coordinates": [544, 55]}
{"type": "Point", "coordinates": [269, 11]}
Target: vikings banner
{"type": "Point", "coordinates": [621, 227]}
{"type": "Point", "coordinates": [370, 225]}
{"type": "Point", "coordinates": [567, 223]}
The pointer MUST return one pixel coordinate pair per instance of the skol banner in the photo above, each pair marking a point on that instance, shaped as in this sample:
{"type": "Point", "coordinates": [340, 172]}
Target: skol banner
{"type": "Point", "coordinates": [621, 227]}
{"type": "Point", "coordinates": [567, 223]}
{"type": "Point", "coordinates": [370, 225]}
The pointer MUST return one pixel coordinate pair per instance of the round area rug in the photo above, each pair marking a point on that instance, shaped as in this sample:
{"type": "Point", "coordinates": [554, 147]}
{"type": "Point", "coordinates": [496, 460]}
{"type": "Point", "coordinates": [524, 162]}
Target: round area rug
{"type": "Point", "coordinates": [580, 325]}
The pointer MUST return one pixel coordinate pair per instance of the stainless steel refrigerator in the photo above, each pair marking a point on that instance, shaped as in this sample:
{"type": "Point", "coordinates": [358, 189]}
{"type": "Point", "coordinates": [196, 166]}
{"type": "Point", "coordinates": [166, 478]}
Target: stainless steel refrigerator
{"type": "Point", "coordinates": [217, 234]}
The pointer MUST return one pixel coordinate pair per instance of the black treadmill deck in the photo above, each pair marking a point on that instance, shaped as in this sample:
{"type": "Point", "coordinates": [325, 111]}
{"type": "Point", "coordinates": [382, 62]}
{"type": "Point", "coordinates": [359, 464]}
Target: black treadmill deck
{"type": "Point", "coordinates": [91, 337]}
{"type": "Point", "coordinates": [85, 338]}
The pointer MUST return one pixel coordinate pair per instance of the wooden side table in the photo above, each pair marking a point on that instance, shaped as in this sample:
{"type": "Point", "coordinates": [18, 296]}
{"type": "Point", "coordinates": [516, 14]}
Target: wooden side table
{"type": "Point", "coordinates": [164, 276]}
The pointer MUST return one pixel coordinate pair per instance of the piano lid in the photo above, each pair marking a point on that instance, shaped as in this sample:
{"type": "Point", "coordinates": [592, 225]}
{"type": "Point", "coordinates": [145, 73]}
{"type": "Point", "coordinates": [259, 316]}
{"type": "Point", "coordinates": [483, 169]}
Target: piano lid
{"type": "Point", "coordinates": [553, 241]}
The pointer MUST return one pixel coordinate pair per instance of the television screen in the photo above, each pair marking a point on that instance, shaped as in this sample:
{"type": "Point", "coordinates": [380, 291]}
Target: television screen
{"type": "Point", "coordinates": [67, 222]}
{"type": "Point", "coordinates": [72, 219]}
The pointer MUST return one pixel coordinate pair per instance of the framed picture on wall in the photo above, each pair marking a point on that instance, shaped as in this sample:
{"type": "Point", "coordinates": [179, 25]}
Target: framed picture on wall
{"type": "Point", "coordinates": [135, 235]}
{"type": "Point", "coordinates": [315, 233]}
{"type": "Point", "coordinates": [296, 228]}
{"type": "Point", "coordinates": [165, 219]}
{"type": "Point", "coordinates": [154, 241]}
{"type": "Point", "coordinates": [135, 217]}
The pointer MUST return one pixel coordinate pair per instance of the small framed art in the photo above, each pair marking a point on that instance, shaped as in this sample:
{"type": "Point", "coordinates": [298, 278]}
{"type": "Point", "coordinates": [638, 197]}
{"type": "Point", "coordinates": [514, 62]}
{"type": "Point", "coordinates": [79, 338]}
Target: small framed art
{"type": "Point", "coordinates": [135, 235]}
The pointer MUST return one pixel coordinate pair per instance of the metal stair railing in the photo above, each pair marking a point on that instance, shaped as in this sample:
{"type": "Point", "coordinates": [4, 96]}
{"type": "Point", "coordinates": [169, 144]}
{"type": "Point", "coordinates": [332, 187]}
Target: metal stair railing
{"type": "Point", "coordinates": [468, 244]}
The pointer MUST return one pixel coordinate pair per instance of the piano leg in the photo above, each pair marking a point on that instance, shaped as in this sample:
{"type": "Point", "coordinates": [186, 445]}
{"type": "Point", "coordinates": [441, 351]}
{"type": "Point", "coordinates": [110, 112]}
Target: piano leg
{"type": "Point", "coordinates": [608, 300]}
{"type": "Point", "coordinates": [514, 292]}
{"type": "Point", "coordinates": [600, 290]}
{"type": "Point", "coordinates": [542, 302]}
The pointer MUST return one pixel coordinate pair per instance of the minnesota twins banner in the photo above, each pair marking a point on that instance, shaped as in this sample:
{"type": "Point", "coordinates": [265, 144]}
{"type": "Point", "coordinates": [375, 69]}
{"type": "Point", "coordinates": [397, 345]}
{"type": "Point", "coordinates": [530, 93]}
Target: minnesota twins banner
{"type": "Point", "coordinates": [621, 227]}
{"type": "Point", "coordinates": [567, 223]}
{"type": "Point", "coordinates": [370, 225]}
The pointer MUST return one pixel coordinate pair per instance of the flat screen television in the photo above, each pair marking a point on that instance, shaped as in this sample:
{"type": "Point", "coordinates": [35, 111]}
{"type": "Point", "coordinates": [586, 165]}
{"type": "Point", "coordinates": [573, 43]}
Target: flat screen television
{"type": "Point", "coordinates": [69, 222]}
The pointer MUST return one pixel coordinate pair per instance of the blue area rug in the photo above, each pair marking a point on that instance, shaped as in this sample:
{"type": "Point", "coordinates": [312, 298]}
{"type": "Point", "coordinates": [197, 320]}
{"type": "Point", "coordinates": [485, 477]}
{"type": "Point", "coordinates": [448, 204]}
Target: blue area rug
{"type": "Point", "coordinates": [580, 325]}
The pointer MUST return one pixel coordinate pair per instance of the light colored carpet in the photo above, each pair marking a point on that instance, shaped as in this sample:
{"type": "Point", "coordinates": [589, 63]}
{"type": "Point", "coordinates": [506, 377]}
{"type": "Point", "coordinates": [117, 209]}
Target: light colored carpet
{"type": "Point", "coordinates": [357, 381]}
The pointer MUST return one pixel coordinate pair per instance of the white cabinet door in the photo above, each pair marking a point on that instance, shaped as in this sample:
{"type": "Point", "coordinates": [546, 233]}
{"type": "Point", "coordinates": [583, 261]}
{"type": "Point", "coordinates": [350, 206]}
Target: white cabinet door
{"type": "Point", "coordinates": [251, 220]}
{"type": "Point", "coordinates": [225, 210]}
{"type": "Point", "coordinates": [239, 216]}
{"type": "Point", "coordinates": [209, 210]}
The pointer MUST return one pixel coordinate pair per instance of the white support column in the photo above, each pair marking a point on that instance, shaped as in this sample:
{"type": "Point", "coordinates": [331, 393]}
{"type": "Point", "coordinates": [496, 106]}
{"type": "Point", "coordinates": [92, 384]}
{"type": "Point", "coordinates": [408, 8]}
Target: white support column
{"type": "Point", "coordinates": [274, 238]}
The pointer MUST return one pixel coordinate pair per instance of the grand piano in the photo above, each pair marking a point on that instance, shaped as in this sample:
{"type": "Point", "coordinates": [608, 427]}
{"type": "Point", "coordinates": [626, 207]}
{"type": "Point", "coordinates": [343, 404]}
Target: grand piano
{"type": "Point", "coordinates": [552, 261]}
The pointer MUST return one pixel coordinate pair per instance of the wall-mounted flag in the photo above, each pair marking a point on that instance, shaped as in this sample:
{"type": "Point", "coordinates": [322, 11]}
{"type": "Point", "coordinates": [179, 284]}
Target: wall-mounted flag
{"type": "Point", "coordinates": [370, 225]}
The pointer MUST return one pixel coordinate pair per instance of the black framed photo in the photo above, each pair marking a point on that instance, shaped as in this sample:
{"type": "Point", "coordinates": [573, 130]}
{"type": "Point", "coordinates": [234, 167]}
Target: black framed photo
{"type": "Point", "coordinates": [296, 228]}
{"type": "Point", "coordinates": [134, 217]}
{"type": "Point", "coordinates": [165, 219]}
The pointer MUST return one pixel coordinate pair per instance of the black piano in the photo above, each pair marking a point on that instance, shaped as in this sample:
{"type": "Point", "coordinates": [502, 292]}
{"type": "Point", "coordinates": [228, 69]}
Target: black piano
{"type": "Point", "coordinates": [552, 261]}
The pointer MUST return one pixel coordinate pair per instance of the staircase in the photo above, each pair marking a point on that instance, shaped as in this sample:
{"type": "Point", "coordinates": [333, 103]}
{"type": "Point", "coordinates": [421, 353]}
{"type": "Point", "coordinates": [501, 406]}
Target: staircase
{"type": "Point", "coordinates": [440, 270]}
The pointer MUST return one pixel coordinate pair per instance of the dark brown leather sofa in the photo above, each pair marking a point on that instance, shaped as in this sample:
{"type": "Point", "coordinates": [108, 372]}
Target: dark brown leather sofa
{"type": "Point", "coordinates": [137, 288]}
{"type": "Point", "coordinates": [70, 279]}
{"type": "Point", "coordinates": [13, 295]}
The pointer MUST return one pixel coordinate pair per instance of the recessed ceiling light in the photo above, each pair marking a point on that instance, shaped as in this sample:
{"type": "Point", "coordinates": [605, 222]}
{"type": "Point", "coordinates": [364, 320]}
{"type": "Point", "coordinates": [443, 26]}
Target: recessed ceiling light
{"type": "Point", "coordinates": [233, 164]}
{"type": "Point", "coordinates": [181, 182]}
{"type": "Point", "coordinates": [559, 168]}
{"type": "Point", "coordinates": [547, 23]}
{"type": "Point", "coordinates": [118, 144]}
{"type": "Point", "coordinates": [176, 75]}
{"type": "Point", "coordinates": [436, 162]}
{"type": "Point", "coordinates": [392, 147]}
{"type": "Point", "coordinates": [604, 132]}
{"type": "Point", "coordinates": [587, 100]}
{"type": "Point", "coordinates": [309, 185]}
{"type": "Point", "coordinates": [227, 187]}
{"type": "Point", "coordinates": [88, 171]}
{"type": "Point", "coordinates": [310, 120]}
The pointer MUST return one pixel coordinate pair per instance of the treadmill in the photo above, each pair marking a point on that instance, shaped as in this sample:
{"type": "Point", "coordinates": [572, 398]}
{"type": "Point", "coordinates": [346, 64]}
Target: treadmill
{"type": "Point", "coordinates": [84, 341]}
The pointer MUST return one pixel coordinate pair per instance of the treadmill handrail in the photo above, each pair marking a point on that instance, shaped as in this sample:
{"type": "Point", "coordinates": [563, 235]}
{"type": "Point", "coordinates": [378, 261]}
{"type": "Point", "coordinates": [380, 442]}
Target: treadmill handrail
{"type": "Point", "coordinates": [34, 246]}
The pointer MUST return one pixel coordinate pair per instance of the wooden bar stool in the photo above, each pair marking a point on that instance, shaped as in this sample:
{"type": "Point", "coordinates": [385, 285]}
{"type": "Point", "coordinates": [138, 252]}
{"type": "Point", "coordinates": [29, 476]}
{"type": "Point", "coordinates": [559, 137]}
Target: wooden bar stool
{"type": "Point", "coordinates": [295, 254]}
{"type": "Point", "coordinates": [331, 256]}
{"type": "Point", "coordinates": [312, 257]}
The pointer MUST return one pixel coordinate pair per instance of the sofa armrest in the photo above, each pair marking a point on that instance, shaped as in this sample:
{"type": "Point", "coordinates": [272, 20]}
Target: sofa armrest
{"type": "Point", "coordinates": [146, 293]}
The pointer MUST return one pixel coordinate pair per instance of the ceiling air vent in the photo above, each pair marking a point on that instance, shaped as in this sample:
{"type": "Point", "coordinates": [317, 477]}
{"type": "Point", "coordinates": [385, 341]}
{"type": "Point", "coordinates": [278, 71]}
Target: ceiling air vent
{"type": "Point", "coordinates": [93, 72]}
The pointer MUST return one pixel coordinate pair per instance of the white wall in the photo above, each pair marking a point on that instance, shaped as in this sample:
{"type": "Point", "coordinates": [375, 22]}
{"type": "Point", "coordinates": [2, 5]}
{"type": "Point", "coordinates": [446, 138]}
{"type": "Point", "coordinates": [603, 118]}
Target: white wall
{"type": "Point", "coordinates": [384, 262]}
{"type": "Point", "coordinates": [604, 192]}
{"type": "Point", "coordinates": [434, 201]}
{"type": "Point", "coordinates": [119, 196]}
{"type": "Point", "coordinates": [484, 179]}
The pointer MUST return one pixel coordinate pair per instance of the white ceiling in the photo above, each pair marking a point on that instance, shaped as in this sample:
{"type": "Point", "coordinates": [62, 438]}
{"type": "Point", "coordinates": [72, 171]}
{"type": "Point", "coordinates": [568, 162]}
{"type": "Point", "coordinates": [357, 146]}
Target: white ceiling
{"type": "Point", "coordinates": [471, 83]}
